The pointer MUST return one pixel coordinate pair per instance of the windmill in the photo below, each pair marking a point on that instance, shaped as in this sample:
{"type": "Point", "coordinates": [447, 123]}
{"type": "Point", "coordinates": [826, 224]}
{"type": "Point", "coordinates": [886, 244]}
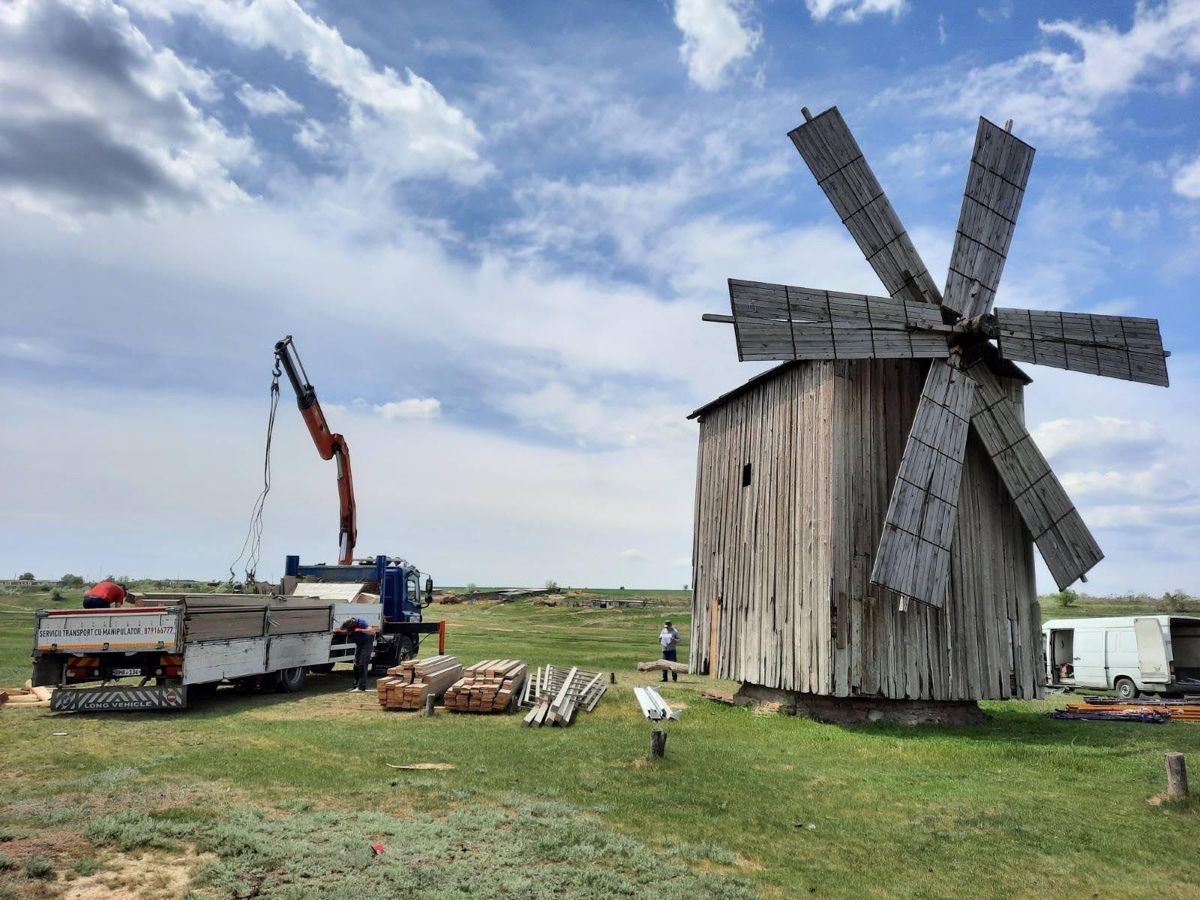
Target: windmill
{"type": "Point", "coordinates": [966, 340]}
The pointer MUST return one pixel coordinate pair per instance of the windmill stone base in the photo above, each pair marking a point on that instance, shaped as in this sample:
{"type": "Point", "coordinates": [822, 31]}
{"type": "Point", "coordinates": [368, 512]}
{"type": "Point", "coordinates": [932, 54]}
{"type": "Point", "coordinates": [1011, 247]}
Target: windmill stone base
{"type": "Point", "coordinates": [860, 710]}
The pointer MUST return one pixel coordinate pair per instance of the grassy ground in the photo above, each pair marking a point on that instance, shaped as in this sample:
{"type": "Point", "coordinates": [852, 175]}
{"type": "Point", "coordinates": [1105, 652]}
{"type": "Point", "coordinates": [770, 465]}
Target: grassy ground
{"type": "Point", "coordinates": [282, 795]}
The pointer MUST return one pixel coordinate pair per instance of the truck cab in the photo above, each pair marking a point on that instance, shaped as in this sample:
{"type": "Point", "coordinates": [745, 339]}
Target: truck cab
{"type": "Point", "coordinates": [385, 591]}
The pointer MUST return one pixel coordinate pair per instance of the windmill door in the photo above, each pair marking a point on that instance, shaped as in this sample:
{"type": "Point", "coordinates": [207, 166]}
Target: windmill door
{"type": "Point", "coordinates": [1152, 651]}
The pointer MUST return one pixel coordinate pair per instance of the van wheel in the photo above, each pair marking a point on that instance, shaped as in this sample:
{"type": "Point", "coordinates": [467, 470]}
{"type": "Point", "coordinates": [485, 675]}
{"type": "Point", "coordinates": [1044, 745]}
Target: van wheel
{"type": "Point", "coordinates": [288, 681]}
{"type": "Point", "coordinates": [1126, 689]}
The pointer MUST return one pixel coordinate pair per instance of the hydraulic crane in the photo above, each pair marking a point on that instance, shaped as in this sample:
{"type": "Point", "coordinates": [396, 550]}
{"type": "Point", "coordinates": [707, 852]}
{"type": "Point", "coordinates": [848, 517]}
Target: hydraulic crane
{"type": "Point", "coordinates": [329, 445]}
{"type": "Point", "coordinates": [397, 616]}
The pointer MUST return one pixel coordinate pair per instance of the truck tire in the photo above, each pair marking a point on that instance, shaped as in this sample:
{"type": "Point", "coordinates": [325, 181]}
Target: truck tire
{"type": "Point", "coordinates": [1125, 688]}
{"type": "Point", "coordinates": [288, 681]}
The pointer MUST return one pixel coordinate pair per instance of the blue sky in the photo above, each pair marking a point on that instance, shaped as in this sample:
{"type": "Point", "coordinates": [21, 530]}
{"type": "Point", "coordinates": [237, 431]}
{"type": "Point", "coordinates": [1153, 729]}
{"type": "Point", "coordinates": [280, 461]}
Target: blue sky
{"type": "Point", "coordinates": [492, 229]}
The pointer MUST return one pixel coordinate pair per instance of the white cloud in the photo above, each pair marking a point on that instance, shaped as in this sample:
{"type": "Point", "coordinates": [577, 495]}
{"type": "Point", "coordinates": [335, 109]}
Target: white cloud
{"type": "Point", "coordinates": [715, 36]}
{"type": "Point", "coordinates": [96, 118]}
{"type": "Point", "coordinates": [272, 102]}
{"type": "Point", "coordinates": [1056, 95]}
{"type": "Point", "coordinates": [1094, 432]}
{"type": "Point", "coordinates": [28, 349]}
{"type": "Point", "coordinates": [854, 10]}
{"type": "Point", "coordinates": [633, 555]}
{"type": "Point", "coordinates": [1187, 180]}
{"type": "Point", "coordinates": [397, 126]}
{"type": "Point", "coordinates": [426, 489]}
{"type": "Point", "coordinates": [412, 408]}
{"type": "Point", "coordinates": [941, 25]}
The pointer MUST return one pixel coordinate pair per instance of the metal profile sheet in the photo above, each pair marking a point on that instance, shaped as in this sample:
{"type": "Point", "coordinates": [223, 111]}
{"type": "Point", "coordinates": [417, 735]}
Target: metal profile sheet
{"type": "Point", "coordinates": [653, 706]}
{"type": "Point", "coordinates": [999, 170]}
{"type": "Point", "coordinates": [842, 172]}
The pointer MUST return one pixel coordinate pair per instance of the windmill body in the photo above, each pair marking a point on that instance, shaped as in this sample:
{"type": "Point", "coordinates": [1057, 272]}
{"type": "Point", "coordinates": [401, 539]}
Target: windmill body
{"type": "Point", "coordinates": [887, 461]}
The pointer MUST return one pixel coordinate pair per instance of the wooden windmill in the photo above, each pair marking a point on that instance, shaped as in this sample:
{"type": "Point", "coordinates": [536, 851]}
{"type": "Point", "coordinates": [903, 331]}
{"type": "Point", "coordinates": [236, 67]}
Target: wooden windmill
{"type": "Point", "coordinates": [968, 400]}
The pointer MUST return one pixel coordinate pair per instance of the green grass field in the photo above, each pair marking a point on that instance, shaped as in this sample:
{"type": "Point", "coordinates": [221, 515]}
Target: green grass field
{"type": "Point", "coordinates": [282, 795]}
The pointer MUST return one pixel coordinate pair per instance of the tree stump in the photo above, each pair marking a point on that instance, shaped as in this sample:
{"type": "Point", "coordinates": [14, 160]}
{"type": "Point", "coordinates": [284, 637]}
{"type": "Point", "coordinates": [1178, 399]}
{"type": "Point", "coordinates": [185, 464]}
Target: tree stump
{"type": "Point", "coordinates": [427, 709]}
{"type": "Point", "coordinates": [1177, 786]}
{"type": "Point", "coordinates": [612, 677]}
{"type": "Point", "coordinates": [658, 743]}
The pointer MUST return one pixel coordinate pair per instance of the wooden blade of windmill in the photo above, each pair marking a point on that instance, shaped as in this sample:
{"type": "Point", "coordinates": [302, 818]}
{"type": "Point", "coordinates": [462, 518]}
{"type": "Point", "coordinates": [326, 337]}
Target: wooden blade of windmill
{"type": "Point", "coordinates": [1057, 528]}
{"type": "Point", "coordinates": [913, 558]}
{"type": "Point", "coordinates": [996, 180]}
{"type": "Point", "coordinates": [1123, 347]}
{"type": "Point", "coordinates": [842, 172]}
{"type": "Point", "coordinates": [783, 322]}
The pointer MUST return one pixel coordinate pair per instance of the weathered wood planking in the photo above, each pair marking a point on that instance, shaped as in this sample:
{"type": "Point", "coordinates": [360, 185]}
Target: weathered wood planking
{"type": "Point", "coordinates": [1064, 541]}
{"type": "Point", "coordinates": [914, 551]}
{"type": "Point", "coordinates": [781, 566]}
{"type": "Point", "coordinates": [999, 170]}
{"type": "Point", "coordinates": [782, 322]}
{"type": "Point", "coordinates": [1124, 347]}
{"type": "Point", "coordinates": [842, 172]}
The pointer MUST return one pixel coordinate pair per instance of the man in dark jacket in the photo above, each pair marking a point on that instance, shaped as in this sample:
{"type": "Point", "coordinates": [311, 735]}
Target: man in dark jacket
{"type": "Point", "coordinates": [362, 636]}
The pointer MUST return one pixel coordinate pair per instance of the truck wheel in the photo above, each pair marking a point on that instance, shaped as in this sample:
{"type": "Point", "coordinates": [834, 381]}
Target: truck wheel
{"type": "Point", "coordinates": [408, 648]}
{"type": "Point", "coordinates": [288, 681]}
{"type": "Point", "coordinates": [1125, 688]}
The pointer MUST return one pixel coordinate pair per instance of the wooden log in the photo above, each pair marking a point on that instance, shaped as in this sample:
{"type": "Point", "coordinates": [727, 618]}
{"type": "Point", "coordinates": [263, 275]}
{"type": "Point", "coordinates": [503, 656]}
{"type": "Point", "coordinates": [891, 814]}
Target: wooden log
{"type": "Point", "coordinates": [1177, 785]}
{"type": "Point", "coordinates": [661, 664]}
{"type": "Point", "coordinates": [42, 693]}
{"type": "Point", "coordinates": [658, 743]}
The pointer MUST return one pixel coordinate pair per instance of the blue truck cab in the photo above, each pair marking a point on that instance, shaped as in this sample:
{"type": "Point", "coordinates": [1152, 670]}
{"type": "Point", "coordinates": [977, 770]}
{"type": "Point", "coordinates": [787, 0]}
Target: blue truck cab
{"type": "Point", "coordinates": [402, 597]}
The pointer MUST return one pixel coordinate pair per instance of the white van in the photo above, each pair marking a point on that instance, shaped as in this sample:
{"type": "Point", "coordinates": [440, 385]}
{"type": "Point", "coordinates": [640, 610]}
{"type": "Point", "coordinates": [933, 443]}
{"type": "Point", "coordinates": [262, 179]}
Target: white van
{"type": "Point", "coordinates": [1129, 654]}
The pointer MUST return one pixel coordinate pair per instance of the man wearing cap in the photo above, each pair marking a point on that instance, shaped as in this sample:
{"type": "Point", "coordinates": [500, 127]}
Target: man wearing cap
{"type": "Point", "coordinates": [669, 639]}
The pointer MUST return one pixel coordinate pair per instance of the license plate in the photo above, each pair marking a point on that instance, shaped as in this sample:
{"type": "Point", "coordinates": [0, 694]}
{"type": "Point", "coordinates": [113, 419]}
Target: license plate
{"type": "Point", "coordinates": [122, 673]}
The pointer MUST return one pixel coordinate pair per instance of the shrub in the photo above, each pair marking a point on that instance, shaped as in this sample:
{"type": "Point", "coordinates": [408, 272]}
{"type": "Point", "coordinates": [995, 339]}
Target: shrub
{"type": "Point", "coordinates": [39, 867]}
{"type": "Point", "coordinates": [26, 576]}
{"type": "Point", "coordinates": [1067, 598]}
{"type": "Point", "coordinates": [472, 588]}
{"type": "Point", "coordinates": [85, 865]}
{"type": "Point", "coordinates": [70, 580]}
{"type": "Point", "coordinates": [551, 584]}
{"type": "Point", "coordinates": [1175, 601]}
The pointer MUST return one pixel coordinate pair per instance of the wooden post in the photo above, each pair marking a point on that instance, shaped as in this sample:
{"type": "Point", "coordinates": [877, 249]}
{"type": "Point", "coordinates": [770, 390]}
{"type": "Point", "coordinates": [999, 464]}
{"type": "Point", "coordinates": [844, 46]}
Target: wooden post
{"type": "Point", "coordinates": [658, 743]}
{"type": "Point", "coordinates": [612, 677]}
{"type": "Point", "coordinates": [1177, 786]}
{"type": "Point", "coordinates": [427, 709]}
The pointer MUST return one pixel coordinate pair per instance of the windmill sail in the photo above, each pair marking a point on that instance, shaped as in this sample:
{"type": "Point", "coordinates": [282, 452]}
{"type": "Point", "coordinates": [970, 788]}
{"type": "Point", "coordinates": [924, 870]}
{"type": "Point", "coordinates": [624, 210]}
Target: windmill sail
{"type": "Point", "coordinates": [996, 180]}
{"type": "Point", "coordinates": [913, 558]}
{"type": "Point", "coordinates": [778, 321]}
{"type": "Point", "coordinates": [1063, 540]}
{"type": "Point", "coordinates": [843, 174]}
{"type": "Point", "coordinates": [1115, 346]}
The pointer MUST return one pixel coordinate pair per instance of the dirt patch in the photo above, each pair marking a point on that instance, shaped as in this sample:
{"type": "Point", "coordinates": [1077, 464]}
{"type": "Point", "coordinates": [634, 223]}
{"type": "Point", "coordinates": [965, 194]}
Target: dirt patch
{"type": "Point", "coordinates": [138, 876]}
{"type": "Point", "coordinates": [56, 843]}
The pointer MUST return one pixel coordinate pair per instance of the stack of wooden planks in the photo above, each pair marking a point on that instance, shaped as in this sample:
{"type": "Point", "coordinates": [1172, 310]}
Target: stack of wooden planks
{"type": "Point", "coordinates": [28, 697]}
{"type": "Point", "coordinates": [493, 685]}
{"type": "Point", "coordinates": [555, 695]}
{"type": "Point", "coordinates": [408, 684]}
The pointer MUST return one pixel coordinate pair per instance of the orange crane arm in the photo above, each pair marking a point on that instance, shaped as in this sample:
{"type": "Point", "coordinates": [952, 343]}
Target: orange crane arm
{"type": "Point", "coordinates": [329, 445]}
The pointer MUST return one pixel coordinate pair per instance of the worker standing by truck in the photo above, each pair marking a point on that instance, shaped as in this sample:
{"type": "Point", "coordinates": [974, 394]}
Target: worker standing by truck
{"type": "Point", "coordinates": [363, 637]}
{"type": "Point", "coordinates": [104, 595]}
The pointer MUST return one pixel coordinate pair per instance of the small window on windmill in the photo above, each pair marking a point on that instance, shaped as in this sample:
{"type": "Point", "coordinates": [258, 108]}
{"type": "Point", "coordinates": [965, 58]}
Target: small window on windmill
{"type": "Point", "coordinates": [746, 475]}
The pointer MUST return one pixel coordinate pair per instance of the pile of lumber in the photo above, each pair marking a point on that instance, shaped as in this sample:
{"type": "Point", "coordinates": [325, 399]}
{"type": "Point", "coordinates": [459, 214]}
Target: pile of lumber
{"type": "Point", "coordinates": [408, 684]}
{"type": "Point", "coordinates": [1144, 714]}
{"type": "Point", "coordinates": [1183, 710]}
{"type": "Point", "coordinates": [555, 695]}
{"type": "Point", "coordinates": [493, 685]}
{"type": "Point", "coordinates": [28, 697]}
